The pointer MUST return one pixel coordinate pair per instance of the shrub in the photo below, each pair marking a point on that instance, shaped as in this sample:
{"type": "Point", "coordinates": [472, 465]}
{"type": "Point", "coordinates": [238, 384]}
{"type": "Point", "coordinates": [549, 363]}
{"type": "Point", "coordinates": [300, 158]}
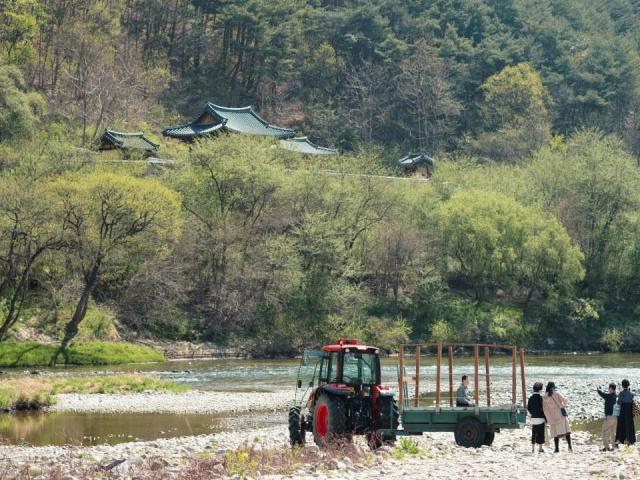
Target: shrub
{"type": "Point", "coordinates": [611, 340]}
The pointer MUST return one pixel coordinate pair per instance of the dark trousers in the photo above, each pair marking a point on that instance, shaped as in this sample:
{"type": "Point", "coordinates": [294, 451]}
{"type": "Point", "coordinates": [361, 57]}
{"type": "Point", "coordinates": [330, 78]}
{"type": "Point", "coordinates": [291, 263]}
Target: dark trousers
{"type": "Point", "coordinates": [626, 430]}
{"type": "Point", "coordinates": [537, 434]}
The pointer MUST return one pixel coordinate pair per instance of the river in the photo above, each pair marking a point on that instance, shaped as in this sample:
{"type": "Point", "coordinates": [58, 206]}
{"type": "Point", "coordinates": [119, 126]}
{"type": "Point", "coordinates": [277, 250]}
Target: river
{"type": "Point", "coordinates": [577, 375]}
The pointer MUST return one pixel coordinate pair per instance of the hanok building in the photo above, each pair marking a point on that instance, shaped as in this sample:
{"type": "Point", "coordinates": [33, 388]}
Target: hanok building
{"type": "Point", "coordinates": [215, 118]}
{"type": "Point", "coordinates": [417, 165]}
{"type": "Point", "coordinates": [127, 142]}
{"type": "Point", "coordinates": [305, 146]}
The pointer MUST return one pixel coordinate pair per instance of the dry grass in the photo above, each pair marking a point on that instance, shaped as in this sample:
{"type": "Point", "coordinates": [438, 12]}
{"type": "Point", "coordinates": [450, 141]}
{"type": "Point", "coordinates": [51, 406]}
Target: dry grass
{"type": "Point", "coordinates": [24, 393]}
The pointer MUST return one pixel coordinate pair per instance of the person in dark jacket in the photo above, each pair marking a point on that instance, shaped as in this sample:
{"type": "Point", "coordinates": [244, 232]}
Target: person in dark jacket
{"type": "Point", "coordinates": [610, 421]}
{"type": "Point", "coordinates": [463, 397]}
{"type": "Point", "coordinates": [534, 406]}
{"type": "Point", "coordinates": [626, 430]}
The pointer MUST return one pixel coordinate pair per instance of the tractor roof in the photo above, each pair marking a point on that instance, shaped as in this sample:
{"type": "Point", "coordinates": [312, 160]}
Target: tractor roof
{"type": "Point", "coordinates": [348, 343]}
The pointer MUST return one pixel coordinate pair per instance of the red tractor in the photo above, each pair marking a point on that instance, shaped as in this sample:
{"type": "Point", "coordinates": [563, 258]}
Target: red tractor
{"type": "Point", "coordinates": [339, 394]}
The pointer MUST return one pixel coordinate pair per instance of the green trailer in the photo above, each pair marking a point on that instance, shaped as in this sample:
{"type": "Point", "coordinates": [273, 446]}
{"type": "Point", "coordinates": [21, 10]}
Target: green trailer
{"type": "Point", "coordinates": [473, 426]}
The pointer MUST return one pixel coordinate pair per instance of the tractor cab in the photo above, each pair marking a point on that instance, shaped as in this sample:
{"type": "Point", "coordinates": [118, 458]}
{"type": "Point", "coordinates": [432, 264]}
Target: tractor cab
{"type": "Point", "coordinates": [350, 367]}
{"type": "Point", "coordinates": [339, 394]}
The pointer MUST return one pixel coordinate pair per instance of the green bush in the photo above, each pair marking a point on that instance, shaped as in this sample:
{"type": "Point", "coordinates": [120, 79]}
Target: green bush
{"type": "Point", "coordinates": [31, 354]}
{"type": "Point", "coordinates": [611, 340]}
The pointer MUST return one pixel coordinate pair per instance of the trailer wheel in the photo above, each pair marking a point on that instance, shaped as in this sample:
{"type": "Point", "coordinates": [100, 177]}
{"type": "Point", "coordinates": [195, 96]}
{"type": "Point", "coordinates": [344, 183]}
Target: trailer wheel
{"type": "Point", "coordinates": [329, 420]}
{"type": "Point", "coordinates": [489, 437]}
{"type": "Point", "coordinates": [470, 432]}
{"type": "Point", "coordinates": [296, 429]}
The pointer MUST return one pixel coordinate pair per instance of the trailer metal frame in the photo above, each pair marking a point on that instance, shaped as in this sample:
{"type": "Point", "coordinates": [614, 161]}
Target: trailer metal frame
{"type": "Point", "coordinates": [416, 419]}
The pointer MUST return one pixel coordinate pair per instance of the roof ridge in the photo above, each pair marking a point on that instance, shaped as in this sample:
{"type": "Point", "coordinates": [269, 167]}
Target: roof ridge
{"type": "Point", "coordinates": [125, 134]}
{"type": "Point", "coordinates": [232, 109]}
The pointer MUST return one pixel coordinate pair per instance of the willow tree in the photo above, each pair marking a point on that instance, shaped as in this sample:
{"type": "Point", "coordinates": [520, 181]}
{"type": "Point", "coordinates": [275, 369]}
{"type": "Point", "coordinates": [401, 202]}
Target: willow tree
{"type": "Point", "coordinates": [110, 216]}
{"type": "Point", "coordinates": [494, 242]}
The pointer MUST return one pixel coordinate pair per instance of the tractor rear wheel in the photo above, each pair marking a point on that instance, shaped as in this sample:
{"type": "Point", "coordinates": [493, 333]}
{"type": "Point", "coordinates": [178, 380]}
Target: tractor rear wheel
{"type": "Point", "coordinates": [296, 430]}
{"type": "Point", "coordinates": [329, 420]}
{"type": "Point", "coordinates": [470, 432]}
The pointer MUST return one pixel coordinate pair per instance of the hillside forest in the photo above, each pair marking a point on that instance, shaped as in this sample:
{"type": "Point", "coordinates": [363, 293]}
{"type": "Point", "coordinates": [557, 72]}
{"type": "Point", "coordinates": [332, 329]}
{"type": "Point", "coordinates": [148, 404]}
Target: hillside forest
{"type": "Point", "coordinates": [527, 232]}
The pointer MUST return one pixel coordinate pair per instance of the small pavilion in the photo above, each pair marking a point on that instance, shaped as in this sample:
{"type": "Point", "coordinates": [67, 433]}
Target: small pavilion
{"type": "Point", "coordinates": [417, 165]}
{"type": "Point", "coordinates": [136, 141]}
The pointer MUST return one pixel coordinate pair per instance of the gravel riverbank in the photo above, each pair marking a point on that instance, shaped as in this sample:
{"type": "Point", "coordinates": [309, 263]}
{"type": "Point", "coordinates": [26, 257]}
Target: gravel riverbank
{"type": "Point", "coordinates": [439, 457]}
{"type": "Point", "coordinates": [189, 402]}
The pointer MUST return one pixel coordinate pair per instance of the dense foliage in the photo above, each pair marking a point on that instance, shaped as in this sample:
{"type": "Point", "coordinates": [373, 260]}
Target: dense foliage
{"type": "Point", "coordinates": [527, 232]}
{"type": "Point", "coordinates": [414, 74]}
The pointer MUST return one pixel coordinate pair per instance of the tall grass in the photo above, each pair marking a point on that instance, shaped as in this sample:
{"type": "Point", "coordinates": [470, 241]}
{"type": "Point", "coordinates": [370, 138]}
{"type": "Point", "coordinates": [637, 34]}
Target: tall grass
{"type": "Point", "coordinates": [31, 354]}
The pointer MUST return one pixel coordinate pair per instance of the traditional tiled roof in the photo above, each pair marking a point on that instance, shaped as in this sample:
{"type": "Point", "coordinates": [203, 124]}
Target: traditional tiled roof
{"type": "Point", "coordinates": [240, 120]}
{"type": "Point", "coordinates": [415, 159]}
{"type": "Point", "coordinates": [304, 145]}
{"type": "Point", "coordinates": [127, 141]}
{"type": "Point", "coordinates": [245, 120]}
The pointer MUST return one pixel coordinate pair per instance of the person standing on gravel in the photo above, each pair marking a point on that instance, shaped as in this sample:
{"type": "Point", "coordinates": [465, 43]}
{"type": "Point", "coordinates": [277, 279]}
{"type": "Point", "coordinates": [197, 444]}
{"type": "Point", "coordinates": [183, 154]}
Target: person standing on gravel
{"type": "Point", "coordinates": [534, 406]}
{"type": "Point", "coordinates": [626, 430]}
{"type": "Point", "coordinates": [553, 405]}
{"type": "Point", "coordinates": [610, 420]}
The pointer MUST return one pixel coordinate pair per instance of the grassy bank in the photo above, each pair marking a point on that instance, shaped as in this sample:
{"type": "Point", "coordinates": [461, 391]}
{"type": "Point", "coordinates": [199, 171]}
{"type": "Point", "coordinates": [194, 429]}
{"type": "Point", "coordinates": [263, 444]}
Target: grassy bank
{"type": "Point", "coordinates": [31, 354]}
{"type": "Point", "coordinates": [33, 393]}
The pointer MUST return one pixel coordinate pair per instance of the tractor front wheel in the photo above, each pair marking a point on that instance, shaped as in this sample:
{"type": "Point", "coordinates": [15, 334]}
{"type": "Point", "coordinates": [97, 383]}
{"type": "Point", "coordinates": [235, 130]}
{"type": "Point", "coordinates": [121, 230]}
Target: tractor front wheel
{"type": "Point", "coordinates": [296, 429]}
{"type": "Point", "coordinates": [329, 420]}
{"type": "Point", "coordinates": [470, 432]}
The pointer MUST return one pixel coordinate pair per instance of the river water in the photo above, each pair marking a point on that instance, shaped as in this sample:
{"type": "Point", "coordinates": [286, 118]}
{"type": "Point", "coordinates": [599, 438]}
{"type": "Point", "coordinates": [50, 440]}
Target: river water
{"type": "Point", "coordinates": [576, 375]}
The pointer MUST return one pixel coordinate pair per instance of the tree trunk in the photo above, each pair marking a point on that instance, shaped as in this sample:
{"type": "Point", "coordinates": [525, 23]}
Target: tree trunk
{"type": "Point", "coordinates": [71, 330]}
{"type": "Point", "coordinates": [16, 302]}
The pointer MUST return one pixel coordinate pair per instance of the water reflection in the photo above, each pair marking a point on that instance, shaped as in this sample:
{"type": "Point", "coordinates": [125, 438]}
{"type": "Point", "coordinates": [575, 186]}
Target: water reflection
{"type": "Point", "coordinates": [38, 428]}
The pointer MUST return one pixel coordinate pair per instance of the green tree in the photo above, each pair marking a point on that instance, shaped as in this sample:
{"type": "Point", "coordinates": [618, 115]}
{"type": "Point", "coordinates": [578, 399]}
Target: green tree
{"type": "Point", "coordinates": [110, 216]}
{"type": "Point", "coordinates": [593, 186]}
{"type": "Point", "coordinates": [495, 242]}
{"type": "Point", "coordinates": [515, 119]}
{"type": "Point", "coordinates": [31, 224]}
{"type": "Point", "coordinates": [18, 26]}
{"type": "Point", "coordinates": [18, 108]}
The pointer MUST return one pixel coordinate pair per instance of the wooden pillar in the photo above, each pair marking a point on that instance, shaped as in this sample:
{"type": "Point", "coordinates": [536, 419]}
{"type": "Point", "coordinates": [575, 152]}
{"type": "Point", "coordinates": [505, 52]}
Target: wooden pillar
{"type": "Point", "coordinates": [524, 383]}
{"type": "Point", "coordinates": [401, 377]}
{"type": "Point", "coordinates": [513, 376]}
{"type": "Point", "coordinates": [487, 374]}
{"type": "Point", "coordinates": [450, 375]}
{"type": "Point", "coordinates": [438, 363]}
{"type": "Point", "coordinates": [476, 374]}
{"type": "Point", "coordinates": [416, 401]}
